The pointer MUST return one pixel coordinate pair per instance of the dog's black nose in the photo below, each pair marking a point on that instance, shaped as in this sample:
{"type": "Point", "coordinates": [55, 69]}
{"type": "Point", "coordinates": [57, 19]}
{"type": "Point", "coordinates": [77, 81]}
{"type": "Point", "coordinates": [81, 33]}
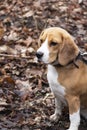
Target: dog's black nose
{"type": "Point", "coordinates": [39, 54]}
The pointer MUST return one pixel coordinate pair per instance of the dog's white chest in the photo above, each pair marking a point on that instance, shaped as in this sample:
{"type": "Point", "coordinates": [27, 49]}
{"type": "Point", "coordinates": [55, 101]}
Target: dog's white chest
{"type": "Point", "coordinates": [55, 86]}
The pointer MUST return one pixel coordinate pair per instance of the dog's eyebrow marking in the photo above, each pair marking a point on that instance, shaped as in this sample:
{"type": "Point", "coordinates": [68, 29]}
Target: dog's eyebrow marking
{"type": "Point", "coordinates": [42, 33]}
{"type": "Point", "coordinates": [43, 48]}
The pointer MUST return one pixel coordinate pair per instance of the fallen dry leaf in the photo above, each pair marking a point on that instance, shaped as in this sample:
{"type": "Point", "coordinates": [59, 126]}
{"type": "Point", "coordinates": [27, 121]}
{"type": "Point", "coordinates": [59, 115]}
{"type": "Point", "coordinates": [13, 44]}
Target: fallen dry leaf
{"type": "Point", "coordinates": [24, 89]}
{"type": "Point", "coordinates": [28, 14]}
{"type": "Point", "coordinates": [7, 49]}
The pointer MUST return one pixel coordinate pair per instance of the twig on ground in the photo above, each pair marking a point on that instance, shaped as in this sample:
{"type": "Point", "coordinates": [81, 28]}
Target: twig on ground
{"type": "Point", "coordinates": [14, 56]}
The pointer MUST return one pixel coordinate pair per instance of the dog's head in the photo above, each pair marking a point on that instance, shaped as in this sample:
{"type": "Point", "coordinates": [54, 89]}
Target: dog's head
{"type": "Point", "coordinates": [56, 46]}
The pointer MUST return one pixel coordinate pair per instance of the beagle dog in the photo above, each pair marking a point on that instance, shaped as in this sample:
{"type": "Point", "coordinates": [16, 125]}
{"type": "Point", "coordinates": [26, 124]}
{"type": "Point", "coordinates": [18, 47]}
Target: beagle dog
{"type": "Point", "coordinates": [67, 72]}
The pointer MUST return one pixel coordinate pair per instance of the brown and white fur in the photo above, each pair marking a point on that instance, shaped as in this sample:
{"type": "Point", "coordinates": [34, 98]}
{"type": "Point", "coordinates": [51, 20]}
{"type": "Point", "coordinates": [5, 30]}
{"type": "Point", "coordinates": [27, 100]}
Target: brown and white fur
{"type": "Point", "coordinates": [67, 82]}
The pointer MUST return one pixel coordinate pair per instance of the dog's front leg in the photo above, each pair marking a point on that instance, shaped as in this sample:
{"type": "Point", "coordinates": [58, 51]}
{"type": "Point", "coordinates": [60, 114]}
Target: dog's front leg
{"type": "Point", "coordinates": [55, 117]}
{"type": "Point", "coordinates": [74, 111]}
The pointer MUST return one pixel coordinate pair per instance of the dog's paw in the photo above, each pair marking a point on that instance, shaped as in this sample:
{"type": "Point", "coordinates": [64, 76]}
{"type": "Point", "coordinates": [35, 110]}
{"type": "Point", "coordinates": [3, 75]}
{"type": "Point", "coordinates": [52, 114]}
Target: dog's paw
{"type": "Point", "coordinates": [54, 118]}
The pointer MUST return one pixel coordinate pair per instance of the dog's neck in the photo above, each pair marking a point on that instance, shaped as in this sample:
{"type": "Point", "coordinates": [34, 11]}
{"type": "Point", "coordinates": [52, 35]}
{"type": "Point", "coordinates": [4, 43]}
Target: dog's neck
{"type": "Point", "coordinates": [81, 56]}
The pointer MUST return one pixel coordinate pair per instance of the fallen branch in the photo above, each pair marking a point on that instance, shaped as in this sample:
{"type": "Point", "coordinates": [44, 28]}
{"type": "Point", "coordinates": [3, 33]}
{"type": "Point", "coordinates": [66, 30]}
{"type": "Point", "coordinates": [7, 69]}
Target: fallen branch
{"type": "Point", "coordinates": [14, 56]}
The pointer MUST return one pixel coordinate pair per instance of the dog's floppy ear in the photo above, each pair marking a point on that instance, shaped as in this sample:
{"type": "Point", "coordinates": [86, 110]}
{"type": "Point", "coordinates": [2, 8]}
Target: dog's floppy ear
{"type": "Point", "coordinates": [68, 51]}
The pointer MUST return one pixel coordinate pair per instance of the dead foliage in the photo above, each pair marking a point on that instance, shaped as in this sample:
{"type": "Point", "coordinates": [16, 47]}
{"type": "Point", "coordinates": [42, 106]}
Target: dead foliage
{"type": "Point", "coordinates": [25, 99]}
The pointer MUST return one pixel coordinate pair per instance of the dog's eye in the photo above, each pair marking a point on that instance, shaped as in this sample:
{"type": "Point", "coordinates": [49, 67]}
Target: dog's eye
{"type": "Point", "coordinates": [53, 44]}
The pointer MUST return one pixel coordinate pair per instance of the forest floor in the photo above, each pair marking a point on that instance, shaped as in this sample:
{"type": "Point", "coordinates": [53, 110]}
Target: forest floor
{"type": "Point", "coordinates": [26, 102]}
